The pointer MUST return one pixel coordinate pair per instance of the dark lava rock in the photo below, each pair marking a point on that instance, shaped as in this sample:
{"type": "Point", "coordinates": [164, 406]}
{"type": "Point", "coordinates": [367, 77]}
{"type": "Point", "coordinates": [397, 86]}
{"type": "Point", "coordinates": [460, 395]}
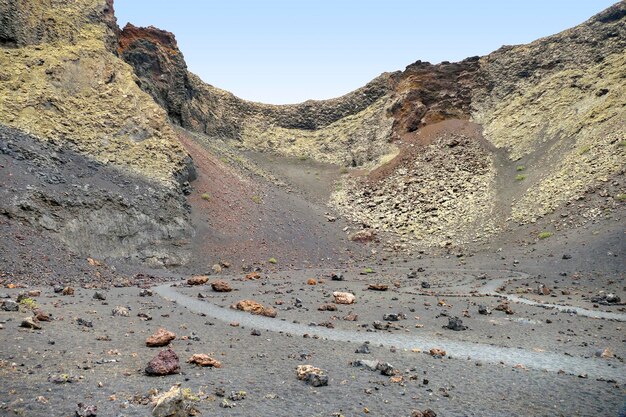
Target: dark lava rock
{"type": "Point", "coordinates": [483, 309]}
{"type": "Point", "coordinates": [394, 316]}
{"type": "Point", "coordinates": [85, 410]}
{"type": "Point", "coordinates": [255, 332]}
{"type": "Point", "coordinates": [412, 275]}
{"type": "Point", "coordinates": [83, 322]}
{"type": "Point", "coordinates": [364, 348]}
{"type": "Point", "coordinates": [316, 380]}
{"type": "Point", "coordinates": [380, 325]}
{"type": "Point", "coordinates": [165, 362]}
{"type": "Point", "coordinates": [336, 277]}
{"type": "Point", "coordinates": [10, 305]}
{"type": "Point", "coordinates": [567, 256]}
{"type": "Point", "coordinates": [99, 296]}
{"type": "Point", "coordinates": [425, 284]}
{"type": "Point", "coordinates": [57, 289]}
{"type": "Point", "coordinates": [145, 293]}
{"type": "Point", "coordinates": [385, 368]}
{"type": "Point", "coordinates": [456, 324]}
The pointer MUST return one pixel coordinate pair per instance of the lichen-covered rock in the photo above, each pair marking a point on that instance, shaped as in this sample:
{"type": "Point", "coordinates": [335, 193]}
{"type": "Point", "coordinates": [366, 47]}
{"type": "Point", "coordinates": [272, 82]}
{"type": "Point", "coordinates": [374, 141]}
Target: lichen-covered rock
{"type": "Point", "coordinates": [170, 404]}
{"type": "Point", "coordinates": [344, 297]}
{"type": "Point", "coordinates": [312, 375]}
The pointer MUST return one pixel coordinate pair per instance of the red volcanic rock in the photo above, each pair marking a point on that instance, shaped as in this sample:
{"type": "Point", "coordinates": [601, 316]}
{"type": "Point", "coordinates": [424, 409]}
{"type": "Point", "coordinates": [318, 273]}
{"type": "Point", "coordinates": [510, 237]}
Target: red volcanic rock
{"type": "Point", "coordinates": [165, 362]}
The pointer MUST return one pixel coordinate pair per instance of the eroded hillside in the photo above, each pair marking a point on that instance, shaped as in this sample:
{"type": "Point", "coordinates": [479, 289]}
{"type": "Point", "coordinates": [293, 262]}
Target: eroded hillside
{"type": "Point", "coordinates": [552, 114]}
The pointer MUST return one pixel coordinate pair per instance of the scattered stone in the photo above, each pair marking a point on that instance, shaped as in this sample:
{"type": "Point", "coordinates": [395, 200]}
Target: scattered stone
{"type": "Point", "coordinates": [253, 276]}
{"type": "Point", "coordinates": [363, 236]}
{"type": "Point", "coordinates": [166, 362]}
{"type": "Point", "coordinates": [237, 395]}
{"type": "Point", "coordinates": [10, 305]}
{"type": "Point", "coordinates": [67, 291]}
{"type": "Point", "coordinates": [412, 275]}
{"type": "Point", "coordinates": [311, 281]}
{"type": "Point", "coordinates": [57, 289]}
{"type": "Point", "coordinates": [543, 290]}
{"type": "Point", "coordinates": [371, 365]}
{"type": "Point", "coordinates": [394, 316]}
{"type": "Point", "coordinates": [220, 392]}
{"type": "Point", "coordinates": [41, 315]}
{"type": "Point", "coordinates": [227, 404]}
{"type": "Point", "coordinates": [385, 369]}
{"type": "Point", "coordinates": [567, 256]}
{"type": "Point", "coordinates": [216, 269]}
{"type": "Point", "coordinates": [83, 322]}
{"type": "Point", "coordinates": [379, 325]}
{"type": "Point", "coordinates": [378, 287]}
{"type": "Point", "coordinates": [484, 310]}
{"type": "Point", "coordinates": [221, 286]}
{"type": "Point", "coordinates": [30, 323]}
{"type": "Point", "coordinates": [437, 353]}
{"type": "Point", "coordinates": [83, 410]}
{"type": "Point", "coordinates": [364, 348]}
{"type": "Point", "coordinates": [426, 413]}
{"type": "Point", "coordinates": [336, 277]}
{"type": "Point", "coordinates": [62, 378]}
{"type": "Point", "coordinates": [425, 284]}
{"type": "Point", "coordinates": [606, 299]}
{"type": "Point", "coordinates": [198, 280]}
{"type": "Point", "coordinates": [99, 296]}
{"type": "Point", "coordinates": [145, 293]}
{"type": "Point", "coordinates": [255, 332]}
{"type": "Point", "coordinates": [33, 293]}
{"type": "Point", "coordinates": [605, 353]}
{"type": "Point", "coordinates": [162, 337]}
{"type": "Point", "coordinates": [327, 307]}
{"type": "Point", "coordinates": [254, 308]}
{"type": "Point", "coordinates": [344, 297]}
{"type": "Point", "coordinates": [202, 359]}
{"type": "Point", "coordinates": [312, 375]}
{"type": "Point", "coordinates": [351, 317]}
{"type": "Point", "coordinates": [171, 404]}
{"type": "Point", "coordinates": [120, 311]}
{"type": "Point", "coordinates": [455, 323]}
{"type": "Point", "coordinates": [504, 306]}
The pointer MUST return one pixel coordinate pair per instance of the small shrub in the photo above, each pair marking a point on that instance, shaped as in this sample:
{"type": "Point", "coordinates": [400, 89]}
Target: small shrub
{"type": "Point", "coordinates": [520, 168]}
{"type": "Point", "coordinates": [29, 303]}
{"type": "Point", "coordinates": [303, 157]}
{"type": "Point", "coordinates": [272, 260]}
{"type": "Point", "coordinates": [544, 235]}
{"type": "Point", "coordinates": [584, 150]}
{"type": "Point", "coordinates": [344, 170]}
{"type": "Point", "coordinates": [205, 196]}
{"type": "Point", "coordinates": [621, 197]}
{"type": "Point", "coordinates": [224, 159]}
{"type": "Point", "coordinates": [520, 177]}
{"type": "Point", "coordinates": [368, 271]}
{"type": "Point", "coordinates": [256, 199]}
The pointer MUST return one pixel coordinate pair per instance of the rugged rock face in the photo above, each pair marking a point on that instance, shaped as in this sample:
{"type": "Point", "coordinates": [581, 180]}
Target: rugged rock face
{"type": "Point", "coordinates": [61, 80]}
{"type": "Point", "coordinates": [93, 208]}
{"type": "Point", "coordinates": [100, 166]}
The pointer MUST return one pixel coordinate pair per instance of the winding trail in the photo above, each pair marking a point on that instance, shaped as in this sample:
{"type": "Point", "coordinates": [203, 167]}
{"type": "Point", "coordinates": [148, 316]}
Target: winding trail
{"type": "Point", "coordinates": [548, 361]}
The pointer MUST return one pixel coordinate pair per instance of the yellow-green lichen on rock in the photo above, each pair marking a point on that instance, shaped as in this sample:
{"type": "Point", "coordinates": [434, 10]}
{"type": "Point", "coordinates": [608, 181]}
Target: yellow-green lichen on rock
{"type": "Point", "coordinates": [72, 88]}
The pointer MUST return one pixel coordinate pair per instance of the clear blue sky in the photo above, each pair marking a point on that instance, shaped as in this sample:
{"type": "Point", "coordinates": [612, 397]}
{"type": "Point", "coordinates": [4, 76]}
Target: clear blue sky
{"type": "Point", "coordinates": [287, 51]}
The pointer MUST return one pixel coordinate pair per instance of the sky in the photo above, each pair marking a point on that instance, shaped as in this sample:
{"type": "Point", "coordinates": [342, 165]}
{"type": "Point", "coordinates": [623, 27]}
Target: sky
{"type": "Point", "coordinates": [288, 51]}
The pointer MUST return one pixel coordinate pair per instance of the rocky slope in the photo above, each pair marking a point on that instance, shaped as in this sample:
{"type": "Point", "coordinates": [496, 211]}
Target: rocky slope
{"type": "Point", "coordinates": [552, 113]}
{"type": "Point", "coordinates": [107, 176]}
{"type": "Point", "coordinates": [445, 154]}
